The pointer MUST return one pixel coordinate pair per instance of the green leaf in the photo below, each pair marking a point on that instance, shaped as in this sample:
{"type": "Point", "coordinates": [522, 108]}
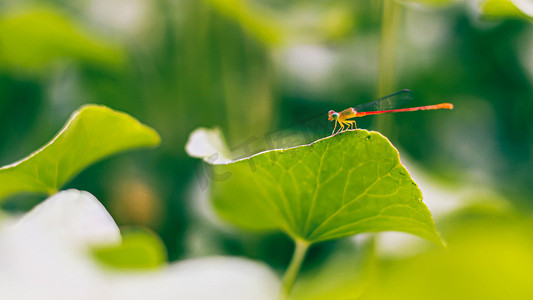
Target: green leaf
{"type": "Point", "coordinates": [33, 38]}
{"type": "Point", "coordinates": [92, 133]}
{"type": "Point", "coordinates": [507, 9]}
{"type": "Point", "coordinates": [140, 249]}
{"type": "Point", "coordinates": [338, 186]}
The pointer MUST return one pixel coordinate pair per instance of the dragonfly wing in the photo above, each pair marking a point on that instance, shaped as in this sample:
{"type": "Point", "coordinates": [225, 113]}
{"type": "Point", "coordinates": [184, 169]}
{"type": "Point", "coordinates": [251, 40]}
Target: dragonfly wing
{"type": "Point", "coordinates": [392, 101]}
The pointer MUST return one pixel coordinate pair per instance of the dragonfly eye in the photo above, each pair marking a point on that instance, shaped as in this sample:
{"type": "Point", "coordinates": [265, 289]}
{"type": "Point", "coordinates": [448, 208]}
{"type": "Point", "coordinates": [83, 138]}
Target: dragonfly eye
{"type": "Point", "coordinates": [332, 115]}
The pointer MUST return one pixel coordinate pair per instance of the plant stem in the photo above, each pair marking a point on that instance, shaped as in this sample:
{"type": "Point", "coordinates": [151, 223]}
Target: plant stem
{"type": "Point", "coordinates": [387, 56]}
{"type": "Point", "coordinates": [294, 268]}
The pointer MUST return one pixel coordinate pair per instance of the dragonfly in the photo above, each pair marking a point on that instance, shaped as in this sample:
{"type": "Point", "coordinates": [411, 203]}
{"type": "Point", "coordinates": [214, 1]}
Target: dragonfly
{"type": "Point", "coordinates": [387, 104]}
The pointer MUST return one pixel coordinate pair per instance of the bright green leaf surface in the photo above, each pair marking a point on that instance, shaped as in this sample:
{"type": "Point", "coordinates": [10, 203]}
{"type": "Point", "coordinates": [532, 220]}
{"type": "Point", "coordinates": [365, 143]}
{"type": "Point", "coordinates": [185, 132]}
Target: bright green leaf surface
{"type": "Point", "coordinates": [140, 249]}
{"type": "Point", "coordinates": [507, 8]}
{"type": "Point", "coordinates": [92, 133]}
{"type": "Point", "coordinates": [338, 186]}
{"type": "Point", "coordinates": [34, 38]}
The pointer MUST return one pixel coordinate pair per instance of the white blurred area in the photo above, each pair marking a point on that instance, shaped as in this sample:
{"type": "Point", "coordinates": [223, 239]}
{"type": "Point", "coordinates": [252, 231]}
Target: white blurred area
{"type": "Point", "coordinates": [202, 278]}
{"type": "Point", "coordinates": [72, 215]}
{"type": "Point", "coordinates": [307, 68]}
{"type": "Point", "coordinates": [127, 17]}
{"type": "Point", "coordinates": [526, 6]}
{"type": "Point", "coordinates": [46, 255]}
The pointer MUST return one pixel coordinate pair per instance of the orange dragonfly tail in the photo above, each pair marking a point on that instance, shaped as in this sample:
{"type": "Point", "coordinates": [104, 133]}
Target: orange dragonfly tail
{"type": "Point", "coordinates": [428, 107]}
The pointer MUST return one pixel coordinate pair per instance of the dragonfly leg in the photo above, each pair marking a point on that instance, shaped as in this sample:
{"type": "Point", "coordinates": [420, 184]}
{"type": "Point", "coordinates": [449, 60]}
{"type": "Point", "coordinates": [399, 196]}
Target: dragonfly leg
{"type": "Point", "coordinates": [341, 124]}
{"type": "Point", "coordinates": [350, 124]}
{"type": "Point", "coordinates": [334, 127]}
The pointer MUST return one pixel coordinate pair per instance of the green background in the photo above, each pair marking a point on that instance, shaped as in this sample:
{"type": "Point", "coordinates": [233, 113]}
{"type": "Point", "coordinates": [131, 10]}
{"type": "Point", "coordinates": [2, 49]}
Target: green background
{"type": "Point", "coordinates": [266, 73]}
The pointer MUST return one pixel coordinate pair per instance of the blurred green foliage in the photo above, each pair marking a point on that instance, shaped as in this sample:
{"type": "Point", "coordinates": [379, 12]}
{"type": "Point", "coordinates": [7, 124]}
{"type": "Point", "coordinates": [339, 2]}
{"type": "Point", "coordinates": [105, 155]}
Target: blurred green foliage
{"type": "Point", "coordinates": [489, 257]}
{"type": "Point", "coordinates": [139, 249]}
{"type": "Point", "coordinates": [272, 69]}
{"type": "Point", "coordinates": [33, 39]}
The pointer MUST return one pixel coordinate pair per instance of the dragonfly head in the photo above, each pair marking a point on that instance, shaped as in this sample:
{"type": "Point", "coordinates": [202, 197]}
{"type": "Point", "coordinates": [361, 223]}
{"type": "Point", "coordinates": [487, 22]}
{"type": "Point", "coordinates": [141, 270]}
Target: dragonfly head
{"type": "Point", "coordinates": [333, 115]}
